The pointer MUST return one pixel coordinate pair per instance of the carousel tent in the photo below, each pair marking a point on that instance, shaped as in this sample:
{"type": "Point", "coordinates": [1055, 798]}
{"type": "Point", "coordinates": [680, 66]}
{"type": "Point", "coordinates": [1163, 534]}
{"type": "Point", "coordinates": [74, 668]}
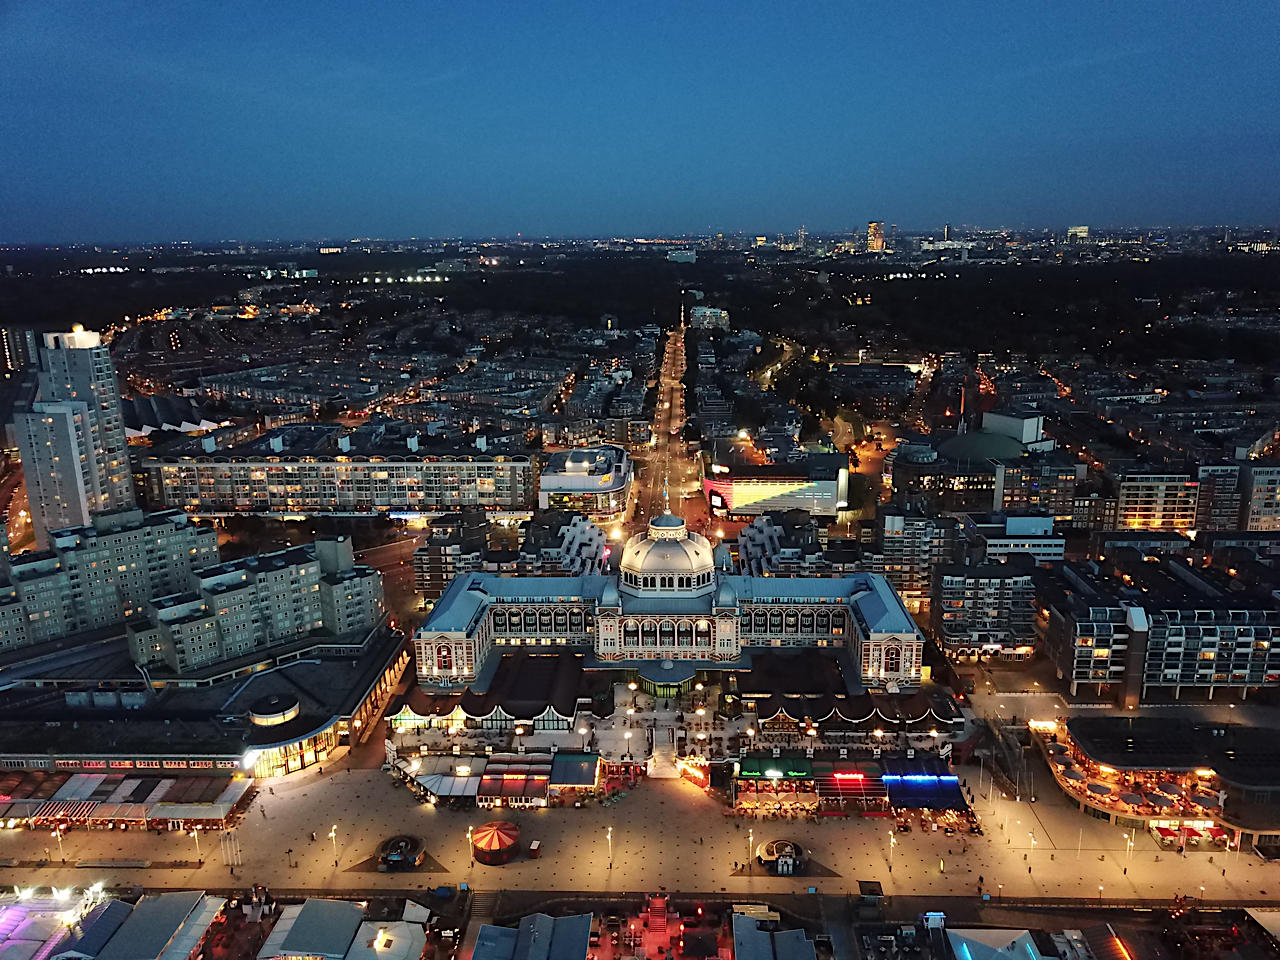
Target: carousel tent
{"type": "Point", "coordinates": [496, 842]}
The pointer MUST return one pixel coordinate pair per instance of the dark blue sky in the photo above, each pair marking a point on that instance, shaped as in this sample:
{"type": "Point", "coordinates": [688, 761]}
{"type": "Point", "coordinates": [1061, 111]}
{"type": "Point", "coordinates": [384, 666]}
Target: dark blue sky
{"type": "Point", "coordinates": [162, 121]}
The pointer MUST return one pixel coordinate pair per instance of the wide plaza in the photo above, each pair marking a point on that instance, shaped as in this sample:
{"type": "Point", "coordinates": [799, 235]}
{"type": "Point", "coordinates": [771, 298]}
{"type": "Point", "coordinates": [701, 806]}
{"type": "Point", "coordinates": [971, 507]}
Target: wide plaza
{"type": "Point", "coordinates": [666, 833]}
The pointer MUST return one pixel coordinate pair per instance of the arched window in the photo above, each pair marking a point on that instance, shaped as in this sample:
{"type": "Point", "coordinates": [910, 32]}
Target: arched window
{"type": "Point", "coordinates": [444, 657]}
{"type": "Point", "coordinates": [893, 660]}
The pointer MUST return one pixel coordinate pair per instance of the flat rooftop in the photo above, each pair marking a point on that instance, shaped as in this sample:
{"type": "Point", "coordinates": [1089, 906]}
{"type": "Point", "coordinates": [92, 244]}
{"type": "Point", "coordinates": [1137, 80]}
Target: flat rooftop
{"type": "Point", "coordinates": [1239, 754]}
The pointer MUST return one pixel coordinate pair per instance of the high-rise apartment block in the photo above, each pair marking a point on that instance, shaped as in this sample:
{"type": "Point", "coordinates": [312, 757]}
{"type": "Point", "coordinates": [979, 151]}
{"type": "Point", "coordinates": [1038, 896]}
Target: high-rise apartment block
{"type": "Point", "coordinates": [19, 348]}
{"type": "Point", "coordinates": [875, 237]}
{"type": "Point", "coordinates": [74, 454]}
{"type": "Point", "coordinates": [908, 544]}
{"type": "Point", "coordinates": [1157, 502]}
{"type": "Point", "coordinates": [1218, 497]}
{"type": "Point", "coordinates": [984, 610]}
{"type": "Point", "coordinates": [1142, 627]}
{"type": "Point", "coordinates": [100, 575]}
{"type": "Point", "coordinates": [242, 607]}
{"type": "Point", "coordinates": [1260, 499]}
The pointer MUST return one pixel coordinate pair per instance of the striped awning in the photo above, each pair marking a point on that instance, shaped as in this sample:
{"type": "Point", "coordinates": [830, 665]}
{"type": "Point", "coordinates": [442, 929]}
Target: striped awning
{"type": "Point", "coordinates": [56, 811]}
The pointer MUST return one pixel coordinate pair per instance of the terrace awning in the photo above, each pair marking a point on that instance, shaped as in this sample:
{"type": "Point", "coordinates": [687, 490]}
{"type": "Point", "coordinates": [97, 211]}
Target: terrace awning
{"type": "Point", "coordinates": [1073, 775]}
{"type": "Point", "coordinates": [1101, 789]}
{"type": "Point", "coordinates": [1166, 832]}
{"type": "Point", "coordinates": [1172, 789]}
{"type": "Point", "coordinates": [1204, 800]}
{"type": "Point", "coordinates": [1133, 799]}
{"type": "Point", "coordinates": [1157, 800]}
{"type": "Point", "coordinates": [57, 810]}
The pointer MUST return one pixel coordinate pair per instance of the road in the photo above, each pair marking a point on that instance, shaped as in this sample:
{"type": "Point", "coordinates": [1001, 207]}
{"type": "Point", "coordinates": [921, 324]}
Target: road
{"type": "Point", "coordinates": [670, 470]}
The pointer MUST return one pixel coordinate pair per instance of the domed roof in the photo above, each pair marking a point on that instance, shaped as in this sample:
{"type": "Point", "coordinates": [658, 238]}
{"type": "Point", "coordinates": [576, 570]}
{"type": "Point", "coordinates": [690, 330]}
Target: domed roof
{"type": "Point", "coordinates": [981, 445]}
{"type": "Point", "coordinates": [667, 548]}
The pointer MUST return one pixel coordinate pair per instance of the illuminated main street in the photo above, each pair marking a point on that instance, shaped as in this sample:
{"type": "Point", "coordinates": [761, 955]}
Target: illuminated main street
{"type": "Point", "coordinates": [669, 467]}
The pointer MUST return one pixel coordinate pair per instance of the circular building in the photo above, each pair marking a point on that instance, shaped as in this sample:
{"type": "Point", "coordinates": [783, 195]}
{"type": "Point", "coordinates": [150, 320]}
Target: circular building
{"type": "Point", "coordinates": [979, 446]}
{"type": "Point", "coordinates": [495, 843]}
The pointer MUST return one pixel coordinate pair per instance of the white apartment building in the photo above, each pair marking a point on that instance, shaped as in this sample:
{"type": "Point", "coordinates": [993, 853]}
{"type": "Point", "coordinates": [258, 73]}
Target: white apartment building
{"type": "Point", "coordinates": [284, 485]}
{"type": "Point", "coordinates": [99, 575]}
{"type": "Point", "coordinates": [237, 608]}
{"type": "Point", "coordinates": [1157, 502]}
{"type": "Point", "coordinates": [72, 440]}
{"type": "Point", "coordinates": [1261, 499]}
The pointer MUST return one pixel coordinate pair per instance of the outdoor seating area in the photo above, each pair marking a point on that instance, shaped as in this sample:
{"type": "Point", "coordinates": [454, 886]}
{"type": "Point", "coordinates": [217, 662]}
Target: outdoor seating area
{"type": "Point", "coordinates": [792, 786]}
{"type": "Point", "coordinates": [118, 802]}
{"type": "Point", "coordinates": [513, 780]}
{"type": "Point", "coordinates": [1179, 805]}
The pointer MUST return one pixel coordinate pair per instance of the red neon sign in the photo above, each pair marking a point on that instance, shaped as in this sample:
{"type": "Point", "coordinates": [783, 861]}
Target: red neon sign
{"type": "Point", "coordinates": [851, 776]}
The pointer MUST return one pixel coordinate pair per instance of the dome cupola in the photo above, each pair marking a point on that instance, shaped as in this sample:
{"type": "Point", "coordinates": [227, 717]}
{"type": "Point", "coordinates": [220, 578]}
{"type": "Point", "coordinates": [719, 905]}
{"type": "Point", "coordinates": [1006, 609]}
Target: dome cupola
{"type": "Point", "coordinates": [667, 559]}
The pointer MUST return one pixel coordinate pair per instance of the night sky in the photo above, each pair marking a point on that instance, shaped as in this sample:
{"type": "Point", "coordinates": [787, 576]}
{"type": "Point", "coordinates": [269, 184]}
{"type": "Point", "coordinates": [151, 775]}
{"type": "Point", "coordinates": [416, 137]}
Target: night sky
{"type": "Point", "coordinates": [204, 121]}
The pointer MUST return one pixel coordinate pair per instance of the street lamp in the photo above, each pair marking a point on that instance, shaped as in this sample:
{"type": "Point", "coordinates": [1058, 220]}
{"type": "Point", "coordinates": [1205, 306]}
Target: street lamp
{"type": "Point", "coordinates": [57, 835]}
{"type": "Point", "coordinates": [893, 842]}
{"type": "Point", "coordinates": [333, 835]}
{"type": "Point", "coordinates": [471, 850]}
{"type": "Point", "coordinates": [195, 835]}
{"type": "Point", "coordinates": [582, 732]}
{"type": "Point", "coordinates": [609, 836]}
{"type": "Point", "coordinates": [1100, 892]}
{"type": "Point", "coordinates": [751, 846]}
{"type": "Point", "coordinates": [627, 736]}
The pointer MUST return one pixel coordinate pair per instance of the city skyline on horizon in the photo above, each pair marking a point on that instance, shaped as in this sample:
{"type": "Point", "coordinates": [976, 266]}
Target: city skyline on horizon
{"type": "Point", "coordinates": [565, 123]}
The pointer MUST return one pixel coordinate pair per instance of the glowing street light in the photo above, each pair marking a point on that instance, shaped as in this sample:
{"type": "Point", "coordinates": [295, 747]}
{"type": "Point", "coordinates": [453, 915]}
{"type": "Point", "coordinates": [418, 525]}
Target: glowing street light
{"type": "Point", "coordinates": [582, 732]}
{"type": "Point", "coordinates": [609, 836]}
{"type": "Point", "coordinates": [333, 835]}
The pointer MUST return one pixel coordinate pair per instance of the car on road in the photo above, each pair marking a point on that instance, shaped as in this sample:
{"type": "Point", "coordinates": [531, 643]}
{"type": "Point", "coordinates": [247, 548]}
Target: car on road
{"type": "Point", "coordinates": [401, 853]}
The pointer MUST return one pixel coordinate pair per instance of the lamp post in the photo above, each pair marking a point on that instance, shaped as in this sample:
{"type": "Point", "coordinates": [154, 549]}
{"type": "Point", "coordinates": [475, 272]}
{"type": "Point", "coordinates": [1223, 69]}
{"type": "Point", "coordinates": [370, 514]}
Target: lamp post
{"type": "Point", "coordinates": [195, 835]}
{"type": "Point", "coordinates": [333, 835]}
{"type": "Point", "coordinates": [893, 842]}
{"type": "Point", "coordinates": [57, 835]}
{"type": "Point", "coordinates": [627, 736]}
{"type": "Point", "coordinates": [1100, 892]}
{"type": "Point", "coordinates": [582, 732]}
{"type": "Point", "coordinates": [609, 836]}
{"type": "Point", "coordinates": [751, 846]}
{"type": "Point", "coordinates": [471, 850]}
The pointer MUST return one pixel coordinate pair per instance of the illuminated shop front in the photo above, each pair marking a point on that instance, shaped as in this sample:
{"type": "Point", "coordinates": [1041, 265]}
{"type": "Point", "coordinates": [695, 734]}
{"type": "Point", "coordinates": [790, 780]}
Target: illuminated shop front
{"type": "Point", "coordinates": [279, 759]}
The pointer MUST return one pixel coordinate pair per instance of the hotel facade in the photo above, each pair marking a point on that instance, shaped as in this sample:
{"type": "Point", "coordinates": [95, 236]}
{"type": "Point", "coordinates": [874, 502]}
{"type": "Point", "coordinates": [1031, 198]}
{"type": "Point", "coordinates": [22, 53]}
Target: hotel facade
{"type": "Point", "coordinates": [669, 610]}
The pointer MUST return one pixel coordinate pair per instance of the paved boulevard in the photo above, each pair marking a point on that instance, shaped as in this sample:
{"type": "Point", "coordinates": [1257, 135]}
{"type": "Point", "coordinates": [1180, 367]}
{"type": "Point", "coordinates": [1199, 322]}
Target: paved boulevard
{"type": "Point", "coordinates": [666, 833]}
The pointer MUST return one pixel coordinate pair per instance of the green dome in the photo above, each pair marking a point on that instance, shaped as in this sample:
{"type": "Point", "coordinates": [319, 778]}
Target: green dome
{"type": "Point", "coordinates": [981, 445]}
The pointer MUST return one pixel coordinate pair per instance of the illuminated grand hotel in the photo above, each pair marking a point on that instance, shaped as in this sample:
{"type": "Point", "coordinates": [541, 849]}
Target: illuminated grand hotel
{"type": "Point", "coordinates": [670, 611]}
